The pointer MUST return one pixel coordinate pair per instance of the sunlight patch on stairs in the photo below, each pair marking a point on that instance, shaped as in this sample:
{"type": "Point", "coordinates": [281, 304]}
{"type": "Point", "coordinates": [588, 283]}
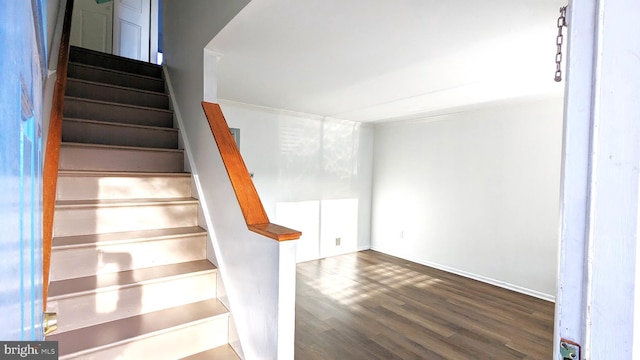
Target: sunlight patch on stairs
{"type": "Point", "coordinates": [129, 274]}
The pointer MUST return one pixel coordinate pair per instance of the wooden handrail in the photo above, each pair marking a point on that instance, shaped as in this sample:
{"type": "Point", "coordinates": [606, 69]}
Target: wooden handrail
{"type": "Point", "coordinates": [52, 152]}
{"type": "Point", "coordinates": [248, 198]}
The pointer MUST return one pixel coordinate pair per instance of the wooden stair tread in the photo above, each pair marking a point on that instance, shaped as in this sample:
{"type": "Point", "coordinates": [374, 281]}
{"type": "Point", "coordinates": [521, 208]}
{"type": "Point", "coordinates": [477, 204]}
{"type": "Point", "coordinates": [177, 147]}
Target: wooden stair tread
{"type": "Point", "coordinates": [66, 242]}
{"type": "Point", "coordinates": [104, 75]}
{"type": "Point", "coordinates": [78, 49]}
{"type": "Point", "coordinates": [119, 87]}
{"type": "Point", "coordinates": [117, 104]}
{"type": "Point", "coordinates": [120, 173]}
{"type": "Point", "coordinates": [224, 352]}
{"type": "Point", "coordinates": [101, 282]}
{"type": "Point", "coordinates": [120, 72]}
{"type": "Point", "coordinates": [136, 327]}
{"type": "Point", "coordinates": [88, 56]}
{"type": "Point", "coordinates": [103, 90]}
{"type": "Point", "coordinates": [123, 202]}
{"type": "Point", "coordinates": [111, 123]}
{"type": "Point", "coordinates": [118, 147]}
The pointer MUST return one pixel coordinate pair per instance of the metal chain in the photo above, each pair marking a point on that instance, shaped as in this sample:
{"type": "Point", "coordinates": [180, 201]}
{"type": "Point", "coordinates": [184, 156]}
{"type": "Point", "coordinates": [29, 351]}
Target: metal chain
{"type": "Point", "coordinates": [562, 22]}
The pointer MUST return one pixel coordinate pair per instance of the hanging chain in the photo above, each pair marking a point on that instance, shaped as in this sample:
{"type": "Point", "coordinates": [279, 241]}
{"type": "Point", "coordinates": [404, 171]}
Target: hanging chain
{"type": "Point", "coordinates": [562, 22]}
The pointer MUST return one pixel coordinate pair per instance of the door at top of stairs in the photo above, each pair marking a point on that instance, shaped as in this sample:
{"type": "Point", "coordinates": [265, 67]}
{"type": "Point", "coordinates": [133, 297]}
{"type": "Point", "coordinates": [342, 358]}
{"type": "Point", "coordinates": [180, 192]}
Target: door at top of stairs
{"type": "Point", "coordinates": [121, 27]}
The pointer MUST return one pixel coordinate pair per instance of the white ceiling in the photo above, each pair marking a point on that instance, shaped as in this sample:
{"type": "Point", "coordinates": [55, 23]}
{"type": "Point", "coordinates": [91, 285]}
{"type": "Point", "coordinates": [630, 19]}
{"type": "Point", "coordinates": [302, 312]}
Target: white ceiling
{"type": "Point", "coordinates": [377, 60]}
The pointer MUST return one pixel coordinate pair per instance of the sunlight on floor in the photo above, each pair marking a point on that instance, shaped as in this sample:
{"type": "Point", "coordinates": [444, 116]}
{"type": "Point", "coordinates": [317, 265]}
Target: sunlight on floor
{"type": "Point", "coordinates": [343, 287]}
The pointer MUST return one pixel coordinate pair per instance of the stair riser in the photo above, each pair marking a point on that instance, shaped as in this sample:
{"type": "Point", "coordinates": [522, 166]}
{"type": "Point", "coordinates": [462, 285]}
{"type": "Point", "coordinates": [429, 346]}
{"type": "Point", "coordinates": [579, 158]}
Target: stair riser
{"type": "Point", "coordinates": [110, 62]}
{"type": "Point", "coordinates": [79, 71]}
{"type": "Point", "coordinates": [71, 221]}
{"type": "Point", "coordinates": [83, 109]}
{"type": "Point", "coordinates": [114, 94]}
{"type": "Point", "coordinates": [174, 344]}
{"type": "Point", "coordinates": [105, 159]}
{"type": "Point", "coordinates": [113, 134]}
{"type": "Point", "coordinates": [91, 309]}
{"type": "Point", "coordinates": [112, 187]}
{"type": "Point", "coordinates": [92, 260]}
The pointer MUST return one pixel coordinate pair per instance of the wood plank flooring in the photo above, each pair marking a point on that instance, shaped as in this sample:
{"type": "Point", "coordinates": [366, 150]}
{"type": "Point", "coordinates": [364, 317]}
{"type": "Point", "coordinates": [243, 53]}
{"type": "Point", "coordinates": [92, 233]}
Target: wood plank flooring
{"type": "Point", "coordinates": [369, 305]}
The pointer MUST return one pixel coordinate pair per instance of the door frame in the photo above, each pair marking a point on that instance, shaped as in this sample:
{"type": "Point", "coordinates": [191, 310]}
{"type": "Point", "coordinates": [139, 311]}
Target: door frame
{"type": "Point", "coordinates": [598, 270]}
{"type": "Point", "coordinates": [154, 29]}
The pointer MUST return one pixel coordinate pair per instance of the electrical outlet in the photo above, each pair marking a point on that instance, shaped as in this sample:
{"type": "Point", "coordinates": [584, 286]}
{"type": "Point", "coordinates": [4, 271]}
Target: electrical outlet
{"type": "Point", "coordinates": [338, 241]}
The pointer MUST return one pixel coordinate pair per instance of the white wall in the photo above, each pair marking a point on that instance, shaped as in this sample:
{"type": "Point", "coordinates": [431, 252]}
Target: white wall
{"type": "Point", "coordinates": [313, 174]}
{"type": "Point", "coordinates": [52, 15]}
{"type": "Point", "coordinates": [474, 192]}
{"type": "Point", "coordinates": [258, 273]}
{"type": "Point", "coordinates": [54, 18]}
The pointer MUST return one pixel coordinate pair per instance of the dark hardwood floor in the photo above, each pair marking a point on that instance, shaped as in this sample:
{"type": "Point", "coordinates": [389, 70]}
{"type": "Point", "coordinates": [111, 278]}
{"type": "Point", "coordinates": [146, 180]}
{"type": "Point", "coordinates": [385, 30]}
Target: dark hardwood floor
{"type": "Point", "coordinates": [369, 305]}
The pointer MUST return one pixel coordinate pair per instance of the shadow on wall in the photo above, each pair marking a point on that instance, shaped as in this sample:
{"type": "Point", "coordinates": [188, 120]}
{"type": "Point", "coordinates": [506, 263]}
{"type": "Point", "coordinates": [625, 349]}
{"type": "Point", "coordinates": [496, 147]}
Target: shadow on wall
{"type": "Point", "coordinates": [318, 169]}
{"type": "Point", "coordinates": [329, 227]}
{"type": "Point", "coordinates": [318, 159]}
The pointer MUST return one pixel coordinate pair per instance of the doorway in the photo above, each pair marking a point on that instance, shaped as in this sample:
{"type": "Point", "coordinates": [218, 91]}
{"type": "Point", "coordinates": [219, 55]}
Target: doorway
{"type": "Point", "coordinates": [128, 28]}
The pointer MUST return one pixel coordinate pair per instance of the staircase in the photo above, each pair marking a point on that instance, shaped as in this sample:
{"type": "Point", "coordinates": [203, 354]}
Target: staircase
{"type": "Point", "coordinates": [129, 274]}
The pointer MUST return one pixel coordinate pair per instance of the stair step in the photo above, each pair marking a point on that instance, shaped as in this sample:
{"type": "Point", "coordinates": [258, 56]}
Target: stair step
{"type": "Point", "coordinates": [96, 58]}
{"type": "Point", "coordinates": [83, 217]}
{"type": "Point", "coordinates": [91, 300]}
{"type": "Point", "coordinates": [129, 274]}
{"type": "Point", "coordinates": [113, 93]}
{"type": "Point", "coordinates": [108, 133]}
{"type": "Point", "coordinates": [74, 156]}
{"type": "Point", "coordinates": [224, 352]}
{"type": "Point", "coordinates": [166, 334]}
{"type": "Point", "coordinates": [86, 185]}
{"type": "Point", "coordinates": [80, 108]}
{"type": "Point", "coordinates": [86, 255]}
{"type": "Point", "coordinates": [114, 77]}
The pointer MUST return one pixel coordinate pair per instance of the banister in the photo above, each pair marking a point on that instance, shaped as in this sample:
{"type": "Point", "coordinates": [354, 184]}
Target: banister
{"type": "Point", "coordinates": [52, 151]}
{"type": "Point", "coordinates": [248, 198]}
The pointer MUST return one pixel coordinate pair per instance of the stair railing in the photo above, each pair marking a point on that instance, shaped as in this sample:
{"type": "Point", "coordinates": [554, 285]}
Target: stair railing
{"type": "Point", "coordinates": [52, 151]}
{"type": "Point", "coordinates": [248, 199]}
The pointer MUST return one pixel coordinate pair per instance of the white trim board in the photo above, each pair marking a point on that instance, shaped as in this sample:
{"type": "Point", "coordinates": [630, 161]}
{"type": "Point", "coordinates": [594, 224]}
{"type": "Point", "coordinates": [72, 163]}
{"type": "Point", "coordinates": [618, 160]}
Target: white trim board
{"type": "Point", "coordinates": [233, 334]}
{"type": "Point", "coordinates": [484, 279]}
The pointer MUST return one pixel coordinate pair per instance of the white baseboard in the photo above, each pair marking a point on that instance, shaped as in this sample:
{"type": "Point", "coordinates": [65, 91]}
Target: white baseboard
{"type": "Point", "coordinates": [484, 279]}
{"type": "Point", "coordinates": [364, 247]}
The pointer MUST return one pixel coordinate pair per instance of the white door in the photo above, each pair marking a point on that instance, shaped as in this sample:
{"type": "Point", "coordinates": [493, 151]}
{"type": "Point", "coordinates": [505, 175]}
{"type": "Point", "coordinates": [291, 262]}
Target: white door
{"type": "Point", "coordinates": [131, 28]}
{"type": "Point", "coordinates": [91, 25]}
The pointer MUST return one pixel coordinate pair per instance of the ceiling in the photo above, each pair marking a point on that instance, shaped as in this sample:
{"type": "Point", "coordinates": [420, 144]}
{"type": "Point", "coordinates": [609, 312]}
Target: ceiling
{"type": "Point", "coordinates": [383, 60]}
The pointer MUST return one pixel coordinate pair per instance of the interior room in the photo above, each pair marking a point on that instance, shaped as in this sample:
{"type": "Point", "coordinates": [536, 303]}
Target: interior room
{"type": "Point", "coordinates": [321, 179]}
{"type": "Point", "coordinates": [427, 131]}
{"type": "Point", "coordinates": [393, 188]}
{"type": "Point", "coordinates": [430, 132]}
